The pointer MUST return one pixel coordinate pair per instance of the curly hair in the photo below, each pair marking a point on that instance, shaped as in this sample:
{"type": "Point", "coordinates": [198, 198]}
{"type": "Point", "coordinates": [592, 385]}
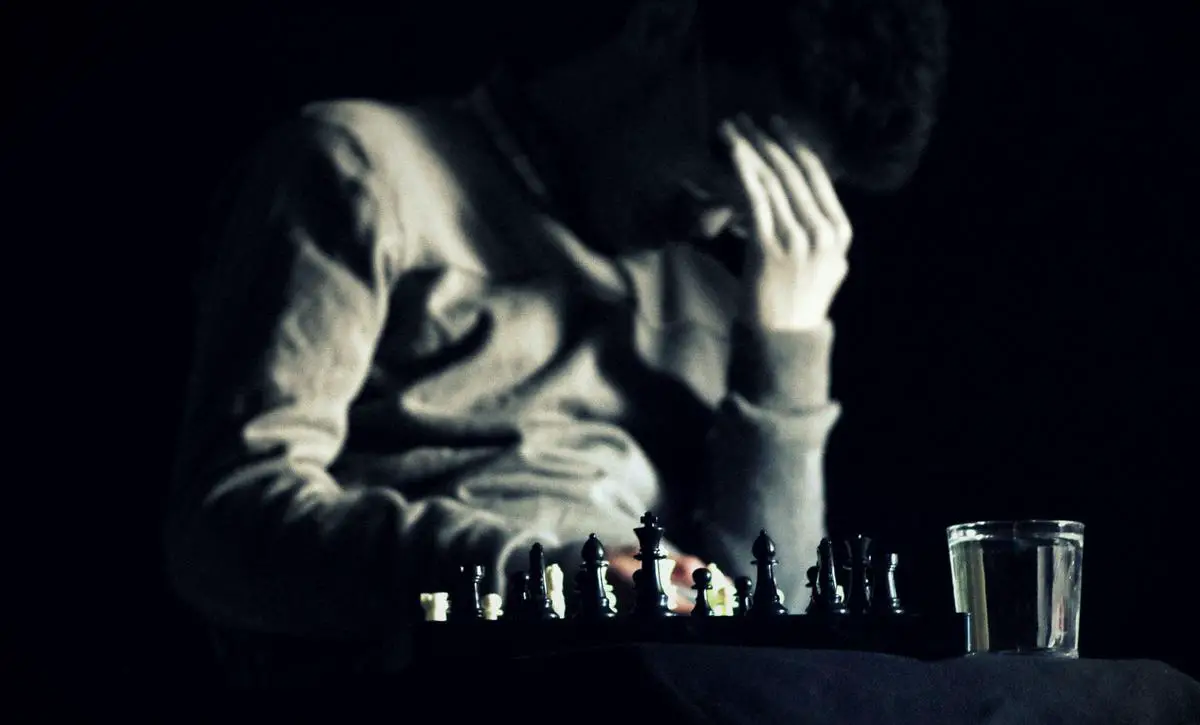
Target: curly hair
{"type": "Point", "coordinates": [868, 72]}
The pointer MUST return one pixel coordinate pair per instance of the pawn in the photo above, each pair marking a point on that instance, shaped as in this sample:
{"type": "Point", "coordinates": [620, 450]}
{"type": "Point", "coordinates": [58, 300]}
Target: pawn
{"type": "Point", "coordinates": [884, 599]}
{"type": "Point", "coordinates": [516, 600]}
{"type": "Point", "coordinates": [540, 606]}
{"type": "Point", "coordinates": [702, 585]}
{"type": "Point", "coordinates": [464, 603]}
{"type": "Point", "coordinates": [743, 599]}
{"type": "Point", "coordinates": [766, 592]}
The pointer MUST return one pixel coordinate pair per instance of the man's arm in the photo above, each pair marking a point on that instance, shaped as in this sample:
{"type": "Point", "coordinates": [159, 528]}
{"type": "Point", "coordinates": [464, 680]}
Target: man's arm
{"type": "Point", "coordinates": [769, 439]}
{"type": "Point", "coordinates": [766, 453]}
{"type": "Point", "coordinates": [259, 535]}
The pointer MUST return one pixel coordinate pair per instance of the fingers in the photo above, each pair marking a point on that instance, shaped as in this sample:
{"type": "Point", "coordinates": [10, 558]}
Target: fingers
{"type": "Point", "coordinates": [815, 227]}
{"type": "Point", "coordinates": [685, 566]}
{"type": "Point", "coordinates": [792, 199]}
{"type": "Point", "coordinates": [749, 170]}
{"type": "Point", "coordinates": [818, 180]}
{"type": "Point", "coordinates": [777, 228]}
{"type": "Point", "coordinates": [622, 566]}
{"type": "Point", "coordinates": [681, 577]}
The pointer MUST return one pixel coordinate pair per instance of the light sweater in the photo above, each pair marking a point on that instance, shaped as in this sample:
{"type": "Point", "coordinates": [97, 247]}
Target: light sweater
{"type": "Point", "coordinates": [404, 362]}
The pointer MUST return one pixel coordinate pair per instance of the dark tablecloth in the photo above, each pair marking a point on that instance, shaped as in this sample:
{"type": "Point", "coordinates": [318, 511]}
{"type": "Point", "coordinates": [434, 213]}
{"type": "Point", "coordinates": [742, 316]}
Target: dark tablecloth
{"type": "Point", "coordinates": [742, 686]}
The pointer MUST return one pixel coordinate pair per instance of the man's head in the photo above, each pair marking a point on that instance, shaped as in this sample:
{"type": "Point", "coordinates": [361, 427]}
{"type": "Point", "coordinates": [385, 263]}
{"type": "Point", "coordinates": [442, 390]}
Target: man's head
{"type": "Point", "coordinates": [858, 78]}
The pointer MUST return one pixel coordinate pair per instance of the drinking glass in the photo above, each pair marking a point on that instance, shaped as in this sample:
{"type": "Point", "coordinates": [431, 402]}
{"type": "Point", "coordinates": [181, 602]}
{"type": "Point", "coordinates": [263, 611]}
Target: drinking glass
{"type": "Point", "coordinates": [1021, 583]}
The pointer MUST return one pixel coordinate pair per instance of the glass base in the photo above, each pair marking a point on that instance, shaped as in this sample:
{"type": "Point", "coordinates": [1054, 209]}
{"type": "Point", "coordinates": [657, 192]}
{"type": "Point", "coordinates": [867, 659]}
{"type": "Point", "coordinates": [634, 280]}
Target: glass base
{"type": "Point", "coordinates": [1059, 654]}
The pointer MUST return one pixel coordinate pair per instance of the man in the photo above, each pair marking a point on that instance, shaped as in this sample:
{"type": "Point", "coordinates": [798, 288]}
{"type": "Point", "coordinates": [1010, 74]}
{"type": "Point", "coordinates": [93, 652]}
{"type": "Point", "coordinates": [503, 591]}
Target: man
{"type": "Point", "coordinates": [438, 334]}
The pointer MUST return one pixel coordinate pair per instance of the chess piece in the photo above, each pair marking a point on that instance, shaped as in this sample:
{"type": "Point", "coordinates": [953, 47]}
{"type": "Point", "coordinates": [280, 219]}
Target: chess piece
{"type": "Point", "coordinates": [860, 571]}
{"type": "Point", "coordinates": [611, 591]}
{"type": "Point", "coordinates": [465, 604]}
{"type": "Point", "coordinates": [766, 591]}
{"type": "Point", "coordinates": [650, 599]}
{"type": "Point", "coordinates": [827, 584]}
{"type": "Point", "coordinates": [666, 572]}
{"type": "Point", "coordinates": [591, 584]}
{"type": "Point", "coordinates": [814, 599]}
{"type": "Point", "coordinates": [516, 602]}
{"type": "Point", "coordinates": [702, 585]}
{"type": "Point", "coordinates": [436, 606]}
{"type": "Point", "coordinates": [884, 599]}
{"type": "Point", "coordinates": [492, 610]}
{"type": "Point", "coordinates": [743, 600]}
{"type": "Point", "coordinates": [722, 599]}
{"type": "Point", "coordinates": [556, 590]}
{"type": "Point", "coordinates": [540, 606]}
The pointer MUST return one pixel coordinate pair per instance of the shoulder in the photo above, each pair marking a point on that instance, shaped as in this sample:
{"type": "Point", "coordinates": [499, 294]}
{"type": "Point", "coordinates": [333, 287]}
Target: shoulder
{"type": "Point", "coordinates": [355, 137]}
{"type": "Point", "coordinates": [376, 127]}
{"type": "Point", "coordinates": [419, 152]}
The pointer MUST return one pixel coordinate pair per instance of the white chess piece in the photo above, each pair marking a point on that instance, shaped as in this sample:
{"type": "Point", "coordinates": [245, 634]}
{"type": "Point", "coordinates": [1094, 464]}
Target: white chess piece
{"type": "Point", "coordinates": [492, 604]}
{"type": "Point", "coordinates": [436, 606]}
{"type": "Point", "coordinates": [555, 590]}
{"type": "Point", "coordinates": [666, 567]}
{"type": "Point", "coordinates": [723, 592]}
{"type": "Point", "coordinates": [609, 590]}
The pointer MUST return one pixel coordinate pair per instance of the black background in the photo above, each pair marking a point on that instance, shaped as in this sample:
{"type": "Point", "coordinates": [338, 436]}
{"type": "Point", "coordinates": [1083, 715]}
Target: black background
{"type": "Point", "coordinates": [1012, 339]}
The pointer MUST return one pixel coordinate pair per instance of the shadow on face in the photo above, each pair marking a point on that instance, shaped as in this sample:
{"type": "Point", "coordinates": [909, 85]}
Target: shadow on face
{"type": "Point", "coordinates": [681, 176]}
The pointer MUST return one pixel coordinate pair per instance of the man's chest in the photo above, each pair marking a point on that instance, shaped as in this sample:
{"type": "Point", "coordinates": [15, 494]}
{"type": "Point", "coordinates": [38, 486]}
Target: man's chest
{"type": "Point", "coordinates": [595, 338]}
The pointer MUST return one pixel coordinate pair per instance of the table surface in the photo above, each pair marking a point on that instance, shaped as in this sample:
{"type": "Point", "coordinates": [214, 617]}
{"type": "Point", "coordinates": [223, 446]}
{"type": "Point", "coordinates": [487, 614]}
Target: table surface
{"type": "Point", "coordinates": [744, 686]}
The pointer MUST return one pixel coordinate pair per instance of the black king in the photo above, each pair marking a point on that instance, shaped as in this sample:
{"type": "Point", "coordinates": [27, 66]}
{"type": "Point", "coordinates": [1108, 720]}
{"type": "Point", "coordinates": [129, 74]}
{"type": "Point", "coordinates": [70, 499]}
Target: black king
{"type": "Point", "coordinates": [650, 597]}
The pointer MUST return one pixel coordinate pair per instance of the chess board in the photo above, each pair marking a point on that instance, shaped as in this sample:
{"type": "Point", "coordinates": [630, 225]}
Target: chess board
{"type": "Point", "coordinates": [926, 638]}
{"type": "Point", "coordinates": [858, 610]}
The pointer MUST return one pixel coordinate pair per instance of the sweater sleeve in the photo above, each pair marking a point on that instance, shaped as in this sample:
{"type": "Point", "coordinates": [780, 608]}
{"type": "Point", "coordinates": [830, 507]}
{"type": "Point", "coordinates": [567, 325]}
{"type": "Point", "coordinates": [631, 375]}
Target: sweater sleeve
{"type": "Point", "coordinates": [766, 453]}
{"type": "Point", "coordinates": [259, 536]}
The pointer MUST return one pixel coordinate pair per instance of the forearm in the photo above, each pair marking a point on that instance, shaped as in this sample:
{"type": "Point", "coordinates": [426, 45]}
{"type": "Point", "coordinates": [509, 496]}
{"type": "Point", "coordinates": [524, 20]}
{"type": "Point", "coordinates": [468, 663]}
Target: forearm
{"type": "Point", "coordinates": [766, 453]}
{"type": "Point", "coordinates": [277, 550]}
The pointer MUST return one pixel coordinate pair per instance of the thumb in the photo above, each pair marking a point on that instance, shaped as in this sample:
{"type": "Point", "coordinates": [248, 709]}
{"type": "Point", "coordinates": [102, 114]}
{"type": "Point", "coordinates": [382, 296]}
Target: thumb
{"type": "Point", "coordinates": [685, 566]}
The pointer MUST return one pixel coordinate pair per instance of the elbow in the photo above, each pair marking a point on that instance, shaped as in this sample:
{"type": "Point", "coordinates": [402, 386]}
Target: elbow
{"type": "Point", "coordinates": [191, 557]}
{"type": "Point", "coordinates": [205, 557]}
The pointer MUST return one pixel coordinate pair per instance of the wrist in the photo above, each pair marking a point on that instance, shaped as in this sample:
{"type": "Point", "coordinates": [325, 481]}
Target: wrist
{"type": "Point", "coordinates": [781, 369]}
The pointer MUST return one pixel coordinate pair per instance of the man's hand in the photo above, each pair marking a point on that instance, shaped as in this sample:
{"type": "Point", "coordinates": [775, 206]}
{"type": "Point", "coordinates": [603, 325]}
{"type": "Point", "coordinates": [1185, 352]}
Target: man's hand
{"type": "Point", "coordinates": [622, 565]}
{"type": "Point", "coordinates": [797, 259]}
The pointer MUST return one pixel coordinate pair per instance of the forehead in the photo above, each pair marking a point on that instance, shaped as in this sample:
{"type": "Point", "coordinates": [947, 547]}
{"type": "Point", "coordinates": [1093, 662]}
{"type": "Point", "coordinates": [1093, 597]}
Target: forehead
{"type": "Point", "coordinates": [755, 90]}
{"type": "Point", "coordinates": [760, 93]}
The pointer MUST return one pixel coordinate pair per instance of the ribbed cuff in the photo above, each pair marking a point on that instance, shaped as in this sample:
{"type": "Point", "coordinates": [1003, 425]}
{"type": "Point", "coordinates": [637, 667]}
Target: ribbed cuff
{"type": "Point", "coordinates": [781, 370]}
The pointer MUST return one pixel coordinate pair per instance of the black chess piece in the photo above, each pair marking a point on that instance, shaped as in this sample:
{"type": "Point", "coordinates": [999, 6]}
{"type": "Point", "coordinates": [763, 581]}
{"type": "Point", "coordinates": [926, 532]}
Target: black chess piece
{"type": "Point", "coordinates": [702, 585]}
{"type": "Point", "coordinates": [540, 607]}
{"type": "Point", "coordinates": [743, 599]}
{"type": "Point", "coordinates": [650, 598]}
{"type": "Point", "coordinates": [814, 599]}
{"type": "Point", "coordinates": [516, 599]}
{"type": "Point", "coordinates": [843, 562]}
{"type": "Point", "coordinates": [827, 582]}
{"type": "Point", "coordinates": [860, 571]}
{"type": "Point", "coordinates": [590, 584]}
{"type": "Point", "coordinates": [464, 602]}
{"type": "Point", "coordinates": [766, 590]}
{"type": "Point", "coordinates": [884, 598]}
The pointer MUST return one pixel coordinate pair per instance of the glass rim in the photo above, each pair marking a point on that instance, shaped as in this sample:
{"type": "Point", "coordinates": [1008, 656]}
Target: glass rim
{"type": "Point", "coordinates": [1062, 526]}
